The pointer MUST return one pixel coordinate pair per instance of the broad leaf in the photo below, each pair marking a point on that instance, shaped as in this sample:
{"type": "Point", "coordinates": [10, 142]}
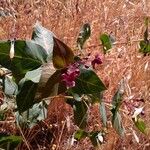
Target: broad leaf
{"type": "Point", "coordinates": [26, 95]}
{"type": "Point", "coordinates": [80, 134]}
{"type": "Point", "coordinates": [51, 86]}
{"type": "Point", "coordinates": [28, 56]}
{"type": "Point", "coordinates": [88, 83]}
{"type": "Point", "coordinates": [84, 34]}
{"type": "Point", "coordinates": [35, 114]}
{"type": "Point", "coordinates": [62, 54]}
{"type": "Point", "coordinates": [27, 90]}
{"type": "Point", "coordinates": [9, 86]}
{"type": "Point", "coordinates": [12, 140]}
{"type": "Point", "coordinates": [106, 42]}
{"type": "Point", "coordinates": [44, 38]}
{"type": "Point", "coordinates": [80, 113]}
{"type": "Point", "coordinates": [34, 75]}
{"type": "Point", "coordinates": [140, 124]}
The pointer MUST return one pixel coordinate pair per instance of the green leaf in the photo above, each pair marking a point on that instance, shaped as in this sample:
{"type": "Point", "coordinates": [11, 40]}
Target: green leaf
{"type": "Point", "coordinates": [44, 38]}
{"type": "Point", "coordinates": [102, 110]}
{"type": "Point", "coordinates": [12, 140]}
{"type": "Point", "coordinates": [28, 56]}
{"type": "Point", "coordinates": [62, 54]}
{"type": "Point", "coordinates": [26, 95]}
{"type": "Point", "coordinates": [27, 90]}
{"type": "Point", "coordinates": [80, 112]}
{"type": "Point", "coordinates": [88, 83]}
{"type": "Point", "coordinates": [106, 42]}
{"type": "Point", "coordinates": [80, 134]}
{"type": "Point", "coordinates": [32, 116]}
{"type": "Point", "coordinates": [145, 47]}
{"type": "Point", "coordinates": [117, 124]}
{"type": "Point", "coordinates": [51, 87]}
{"type": "Point", "coordinates": [9, 85]}
{"type": "Point", "coordinates": [84, 34]}
{"type": "Point", "coordinates": [116, 102]}
{"type": "Point", "coordinates": [140, 124]}
{"type": "Point", "coordinates": [34, 75]}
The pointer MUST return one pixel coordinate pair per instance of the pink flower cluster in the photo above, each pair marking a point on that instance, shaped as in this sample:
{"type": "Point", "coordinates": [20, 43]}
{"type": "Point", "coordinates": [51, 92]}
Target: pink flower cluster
{"type": "Point", "coordinates": [73, 71]}
{"type": "Point", "coordinates": [71, 74]}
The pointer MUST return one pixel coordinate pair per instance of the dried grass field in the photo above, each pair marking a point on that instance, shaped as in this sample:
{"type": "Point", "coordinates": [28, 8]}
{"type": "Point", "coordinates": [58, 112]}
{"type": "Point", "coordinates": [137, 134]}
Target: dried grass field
{"type": "Point", "coordinates": [125, 20]}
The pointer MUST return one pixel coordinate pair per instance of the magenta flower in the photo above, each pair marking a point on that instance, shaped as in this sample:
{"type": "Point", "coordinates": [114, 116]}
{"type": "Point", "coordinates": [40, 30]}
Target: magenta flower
{"type": "Point", "coordinates": [96, 60]}
{"type": "Point", "coordinates": [70, 75]}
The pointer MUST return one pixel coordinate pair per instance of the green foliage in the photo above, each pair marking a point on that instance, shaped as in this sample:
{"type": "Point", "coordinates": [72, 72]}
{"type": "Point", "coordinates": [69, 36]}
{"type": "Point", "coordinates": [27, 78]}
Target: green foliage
{"type": "Point", "coordinates": [140, 124]}
{"type": "Point", "coordinates": [27, 90]}
{"type": "Point", "coordinates": [62, 54]}
{"type": "Point", "coordinates": [9, 141]}
{"type": "Point", "coordinates": [44, 38]}
{"type": "Point", "coordinates": [145, 44]}
{"type": "Point", "coordinates": [53, 86]}
{"type": "Point", "coordinates": [145, 47]}
{"type": "Point", "coordinates": [96, 137]}
{"type": "Point", "coordinates": [88, 83]}
{"type": "Point", "coordinates": [9, 86]}
{"type": "Point", "coordinates": [84, 34]}
{"type": "Point", "coordinates": [106, 42]}
{"type": "Point", "coordinates": [116, 118]}
{"type": "Point", "coordinates": [28, 56]}
{"type": "Point", "coordinates": [80, 108]}
{"type": "Point", "coordinates": [25, 96]}
{"type": "Point", "coordinates": [80, 134]}
{"type": "Point", "coordinates": [27, 65]}
{"type": "Point", "coordinates": [32, 116]}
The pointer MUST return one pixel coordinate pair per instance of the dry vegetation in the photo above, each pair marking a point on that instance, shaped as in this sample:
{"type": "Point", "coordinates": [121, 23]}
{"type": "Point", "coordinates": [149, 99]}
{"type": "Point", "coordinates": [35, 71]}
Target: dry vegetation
{"type": "Point", "coordinates": [125, 18]}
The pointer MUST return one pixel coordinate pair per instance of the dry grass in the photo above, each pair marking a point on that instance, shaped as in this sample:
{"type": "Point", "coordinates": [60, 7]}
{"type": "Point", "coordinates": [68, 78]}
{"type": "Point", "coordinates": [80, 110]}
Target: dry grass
{"type": "Point", "coordinates": [65, 17]}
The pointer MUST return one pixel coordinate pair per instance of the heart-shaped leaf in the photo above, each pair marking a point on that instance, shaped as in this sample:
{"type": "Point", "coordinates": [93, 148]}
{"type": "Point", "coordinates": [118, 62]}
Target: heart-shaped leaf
{"type": "Point", "coordinates": [28, 56]}
{"type": "Point", "coordinates": [88, 83]}
{"type": "Point", "coordinates": [44, 38]}
{"type": "Point", "coordinates": [62, 54]}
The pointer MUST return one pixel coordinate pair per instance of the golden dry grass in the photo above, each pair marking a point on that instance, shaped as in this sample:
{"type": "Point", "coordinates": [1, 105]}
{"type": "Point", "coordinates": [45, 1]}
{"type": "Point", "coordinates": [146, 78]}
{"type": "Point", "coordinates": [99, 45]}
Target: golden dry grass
{"type": "Point", "coordinates": [125, 18]}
